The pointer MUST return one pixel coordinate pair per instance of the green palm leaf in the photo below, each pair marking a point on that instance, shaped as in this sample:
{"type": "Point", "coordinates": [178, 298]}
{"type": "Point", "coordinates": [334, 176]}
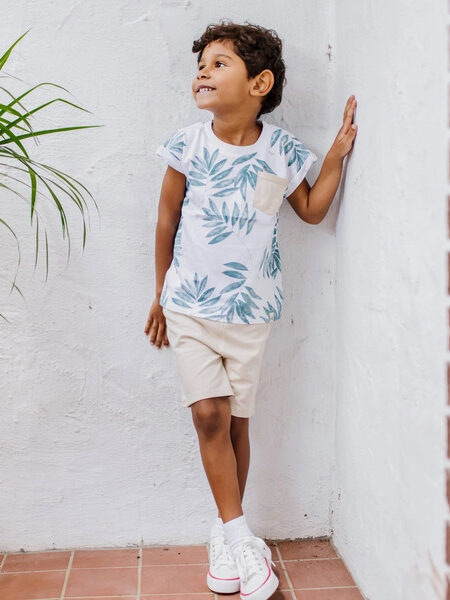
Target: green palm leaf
{"type": "Point", "coordinates": [15, 128]}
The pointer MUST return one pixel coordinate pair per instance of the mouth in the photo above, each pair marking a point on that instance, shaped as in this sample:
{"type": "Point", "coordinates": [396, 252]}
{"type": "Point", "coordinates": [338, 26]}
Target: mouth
{"type": "Point", "coordinates": [205, 89]}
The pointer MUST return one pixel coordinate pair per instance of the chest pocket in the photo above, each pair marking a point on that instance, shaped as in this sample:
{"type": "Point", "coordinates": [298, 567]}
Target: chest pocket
{"type": "Point", "coordinates": [269, 191]}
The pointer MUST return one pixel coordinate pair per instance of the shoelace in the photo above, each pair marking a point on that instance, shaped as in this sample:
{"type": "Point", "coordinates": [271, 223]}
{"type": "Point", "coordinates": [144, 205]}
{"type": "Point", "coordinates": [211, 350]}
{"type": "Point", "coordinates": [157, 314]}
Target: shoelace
{"type": "Point", "coordinates": [250, 559]}
{"type": "Point", "coordinates": [220, 551]}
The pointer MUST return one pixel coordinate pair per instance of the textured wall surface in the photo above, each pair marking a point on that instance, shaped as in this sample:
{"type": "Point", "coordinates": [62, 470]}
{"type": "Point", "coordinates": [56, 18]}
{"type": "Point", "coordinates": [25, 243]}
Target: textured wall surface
{"type": "Point", "coordinates": [96, 449]}
{"type": "Point", "coordinates": [388, 498]}
{"type": "Point", "coordinates": [348, 436]}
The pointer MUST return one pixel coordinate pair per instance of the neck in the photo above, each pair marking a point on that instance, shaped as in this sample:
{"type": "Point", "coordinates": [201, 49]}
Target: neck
{"type": "Point", "coordinates": [236, 130]}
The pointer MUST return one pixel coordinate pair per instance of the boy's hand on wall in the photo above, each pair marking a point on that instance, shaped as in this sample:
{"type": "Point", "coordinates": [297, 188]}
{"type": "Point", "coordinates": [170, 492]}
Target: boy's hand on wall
{"type": "Point", "coordinates": [347, 133]}
{"type": "Point", "coordinates": [156, 325]}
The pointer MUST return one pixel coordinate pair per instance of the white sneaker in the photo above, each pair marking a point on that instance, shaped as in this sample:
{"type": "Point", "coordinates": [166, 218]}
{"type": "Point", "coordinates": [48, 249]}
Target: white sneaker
{"type": "Point", "coordinates": [223, 576]}
{"type": "Point", "coordinates": [254, 564]}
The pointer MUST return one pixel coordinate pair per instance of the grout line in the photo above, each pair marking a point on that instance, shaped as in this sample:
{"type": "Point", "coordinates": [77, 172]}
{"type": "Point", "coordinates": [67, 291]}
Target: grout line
{"type": "Point", "coordinates": [81, 549]}
{"type": "Point", "coordinates": [108, 597]}
{"type": "Point", "coordinates": [3, 561]}
{"type": "Point", "coordinates": [177, 594]}
{"type": "Point", "coordinates": [285, 560]}
{"type": "Point", "coordinates": [336, 587]}
{"type": "Point", "coordinates": [66, 578]}
{"type": "Point", "coordinates": [288, 579]}
{"type": "Point", "coordinates": [141, 550]}
{"type": "Point", "coordinates": [88, 568]}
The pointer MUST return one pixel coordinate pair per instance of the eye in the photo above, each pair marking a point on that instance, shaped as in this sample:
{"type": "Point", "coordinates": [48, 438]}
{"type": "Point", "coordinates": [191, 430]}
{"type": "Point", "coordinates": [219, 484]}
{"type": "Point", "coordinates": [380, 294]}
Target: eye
{"type": "Point", "coordinates": [218, 62]}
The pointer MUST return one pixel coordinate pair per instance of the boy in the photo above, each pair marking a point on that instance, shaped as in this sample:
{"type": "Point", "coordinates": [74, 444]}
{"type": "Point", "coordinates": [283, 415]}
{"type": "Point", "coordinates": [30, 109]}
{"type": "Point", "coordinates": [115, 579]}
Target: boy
{"type": "Point", "coordinates": [218, 271]}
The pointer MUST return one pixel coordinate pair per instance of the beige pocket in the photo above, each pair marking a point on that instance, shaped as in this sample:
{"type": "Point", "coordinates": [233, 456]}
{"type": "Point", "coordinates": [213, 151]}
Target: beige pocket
{"type": "Point", "coordinates": [269, 192]}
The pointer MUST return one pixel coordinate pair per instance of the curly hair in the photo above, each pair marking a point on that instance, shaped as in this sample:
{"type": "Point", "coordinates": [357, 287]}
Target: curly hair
{"type": "Point", "coordinates": [258, 47]}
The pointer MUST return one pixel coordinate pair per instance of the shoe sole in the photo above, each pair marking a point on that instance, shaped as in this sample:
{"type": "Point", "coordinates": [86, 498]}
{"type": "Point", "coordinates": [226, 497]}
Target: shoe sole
{"type": "Point", "coordinates": [265, 592]}
{"type": "Point", "coordinates": [223, 586]}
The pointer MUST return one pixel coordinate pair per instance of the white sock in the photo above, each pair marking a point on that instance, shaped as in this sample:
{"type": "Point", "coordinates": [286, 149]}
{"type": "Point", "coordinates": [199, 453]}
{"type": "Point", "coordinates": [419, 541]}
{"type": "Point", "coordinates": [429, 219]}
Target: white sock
{"type": "Point", "coordinates": [217, 527]}
{"type": "Point", "coordinates": [236, 529]}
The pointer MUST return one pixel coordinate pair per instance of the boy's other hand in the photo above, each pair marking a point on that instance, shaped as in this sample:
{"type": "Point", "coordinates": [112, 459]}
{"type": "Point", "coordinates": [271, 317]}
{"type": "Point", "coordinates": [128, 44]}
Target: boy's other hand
{"type": "Point", "coordinates": [156, 325]}
{"type": "Point", "coordinates": [347, 133]}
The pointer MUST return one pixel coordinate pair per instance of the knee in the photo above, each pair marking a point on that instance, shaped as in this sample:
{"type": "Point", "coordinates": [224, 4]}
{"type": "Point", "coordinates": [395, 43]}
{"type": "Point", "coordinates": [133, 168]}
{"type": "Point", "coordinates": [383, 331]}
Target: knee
{"type": "Point", "coordinates": [210, 416]}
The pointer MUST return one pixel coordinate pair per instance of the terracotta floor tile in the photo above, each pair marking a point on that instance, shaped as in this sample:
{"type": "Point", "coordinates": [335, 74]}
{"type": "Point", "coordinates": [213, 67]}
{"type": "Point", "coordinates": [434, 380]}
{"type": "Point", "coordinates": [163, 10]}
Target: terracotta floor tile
{"type": "Point", "coordinates": [198, 596]}
{"type": "Point", "coordinates": [102, 582]}
{"type": "Point", "coordinates": [278, 595]}
{"type": "Point", "coordinates": [329, 594]}
{"type": "Point", "coordinates": [325, 572]}
{"type": "Point", "coordinates": [169, 555]}
{"type": "Point", "coordinates": [28, 586]}
{"type": "Point", "coordinates": [36, 561]}
{"type": "Point", "coordinates": [122, 557]}
{"type": "Point", "coordinates": [174, 579]}
{"type": "Point", "coordinates": [306, 549]}
{"type": "Point", "coordinates": [283, 585]}
{"type": "Point", "coordinates": [168, 573]}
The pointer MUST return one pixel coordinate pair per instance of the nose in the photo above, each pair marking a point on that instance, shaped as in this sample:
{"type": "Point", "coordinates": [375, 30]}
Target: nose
{"type": "Point", "coordinates": [201, 74]}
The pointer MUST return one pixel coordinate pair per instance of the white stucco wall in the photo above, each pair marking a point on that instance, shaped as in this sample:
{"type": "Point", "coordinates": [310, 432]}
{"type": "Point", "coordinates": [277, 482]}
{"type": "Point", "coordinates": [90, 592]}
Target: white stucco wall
{"type": "Point", "coordinates": [388, 494]}
{"type": "Point", "coordinates": [348, 438]}
{"type": "Point", "coordinates": [96, 449]}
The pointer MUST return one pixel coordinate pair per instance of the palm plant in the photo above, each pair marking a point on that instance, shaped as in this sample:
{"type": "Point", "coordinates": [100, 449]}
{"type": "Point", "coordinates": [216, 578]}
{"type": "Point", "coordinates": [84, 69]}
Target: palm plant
{"type": "Point", "coordinates": [21, 169]}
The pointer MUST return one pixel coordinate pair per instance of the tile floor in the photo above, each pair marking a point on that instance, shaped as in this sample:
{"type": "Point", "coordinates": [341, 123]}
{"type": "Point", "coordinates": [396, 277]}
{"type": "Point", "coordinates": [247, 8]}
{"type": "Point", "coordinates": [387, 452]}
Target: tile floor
{"type": "Point", "coordinates": [307, 570]}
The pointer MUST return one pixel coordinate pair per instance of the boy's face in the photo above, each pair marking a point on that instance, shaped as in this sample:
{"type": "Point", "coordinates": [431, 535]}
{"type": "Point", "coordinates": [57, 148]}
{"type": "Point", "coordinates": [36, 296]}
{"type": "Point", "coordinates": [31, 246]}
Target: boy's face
{"type": "Point", "coordinates": [223, 70]}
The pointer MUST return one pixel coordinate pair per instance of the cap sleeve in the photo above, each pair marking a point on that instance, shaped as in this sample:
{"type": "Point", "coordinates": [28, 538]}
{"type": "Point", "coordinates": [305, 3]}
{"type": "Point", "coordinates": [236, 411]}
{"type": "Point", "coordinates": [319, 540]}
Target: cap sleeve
{"type": "Point", "coordinates": [173, 151]}
{"type": "Point", "coordinates": [299, 160]}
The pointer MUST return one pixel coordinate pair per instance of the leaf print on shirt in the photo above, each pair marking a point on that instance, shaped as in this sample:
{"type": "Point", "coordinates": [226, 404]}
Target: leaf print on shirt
{"type": "Point", "coordinates": [175, 144]}
{"type": "Point", "coordinates": [242, 302]}
{"type": "Point", "coordinates": [271, 263]}
{"type": "Point", "coordinates": [273, 313]}
{"type": "Point", "coordinates": [290, 144]}
{"type": "Point", "coordinates": [223, 224]}
{"type": "Point", "coordinates": [249, 172]}
{"type": "Point", "coordinates": [193, 293]}
{"type": "Point", "coordinates": [212, 171]}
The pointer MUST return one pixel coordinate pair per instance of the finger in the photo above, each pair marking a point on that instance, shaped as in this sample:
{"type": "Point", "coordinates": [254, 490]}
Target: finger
{"type": "Point", "coordinates": [159, 336]}
{"type": "Point", "coordinates": [148, 325]}
{"type": "Point", "coordinates": [352, 131]}
{"type": "Point", "coordinates": [350, 106]}
{"type": "Point", "coordinates": [153, 332]}
{"type": "Point", "coordinates": [348, 121]}
{"type": "Point", "coordinates": [166, 340]}
{"type": "Point", "coordinates": [349, 111]}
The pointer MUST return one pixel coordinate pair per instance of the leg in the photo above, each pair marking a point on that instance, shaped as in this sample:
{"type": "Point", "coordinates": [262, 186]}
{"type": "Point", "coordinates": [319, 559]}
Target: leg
{"type": "Point", "coordinates": [212, 420]}
{"type": "Point", "coordinates": [241, 447]}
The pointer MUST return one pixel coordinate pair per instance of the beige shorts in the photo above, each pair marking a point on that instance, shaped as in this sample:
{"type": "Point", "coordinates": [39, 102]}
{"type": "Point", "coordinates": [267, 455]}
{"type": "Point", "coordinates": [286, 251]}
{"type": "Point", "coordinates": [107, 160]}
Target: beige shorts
{"type": "Point", "coordinates": [216, 358]}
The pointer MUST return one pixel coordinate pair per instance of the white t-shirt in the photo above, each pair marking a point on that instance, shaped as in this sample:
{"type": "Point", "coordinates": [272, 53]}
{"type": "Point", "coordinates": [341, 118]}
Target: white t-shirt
{"type": "Point", "coordinates": [226, 261]}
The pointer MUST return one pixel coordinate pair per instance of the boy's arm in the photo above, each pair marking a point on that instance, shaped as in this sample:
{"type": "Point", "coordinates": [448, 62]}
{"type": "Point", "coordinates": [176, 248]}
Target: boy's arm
{"type": "Point", "coordinates": [312, 204]}
{"type": "Point", "coordinates": [169, 211]}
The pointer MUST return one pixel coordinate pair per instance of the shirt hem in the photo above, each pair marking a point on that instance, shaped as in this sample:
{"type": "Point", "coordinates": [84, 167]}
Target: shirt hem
{"type": "Point", "coordinates": [300, 176]}
{"type": "Point", "coordinates": [177, 309]}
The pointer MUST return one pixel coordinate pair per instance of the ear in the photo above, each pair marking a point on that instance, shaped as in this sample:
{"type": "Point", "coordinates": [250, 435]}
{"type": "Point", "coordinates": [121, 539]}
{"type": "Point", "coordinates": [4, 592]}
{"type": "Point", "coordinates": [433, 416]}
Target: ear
{"type": "Point", "coordinates": [262, 83]}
